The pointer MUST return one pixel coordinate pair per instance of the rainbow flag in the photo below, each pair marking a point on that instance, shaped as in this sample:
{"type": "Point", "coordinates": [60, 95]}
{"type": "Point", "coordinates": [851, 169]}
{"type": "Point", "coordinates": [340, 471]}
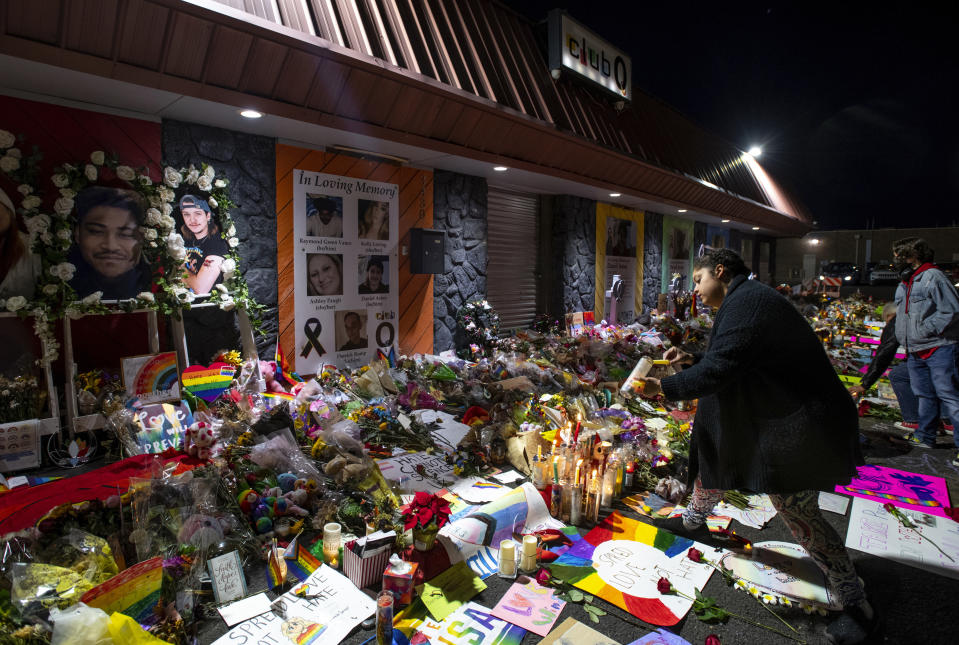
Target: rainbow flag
{"type": "Point", "coordinates": [275, 567]}
{"type": "Point", "coordinates": [389, 358]}
{"type": "Point", "coordinates": [299, 561]}
{"type": "Point", "coordinates": [283, 371]}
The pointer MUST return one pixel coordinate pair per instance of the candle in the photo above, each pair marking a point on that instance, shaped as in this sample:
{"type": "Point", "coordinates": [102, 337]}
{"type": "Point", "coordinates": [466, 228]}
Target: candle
{"type": "Point", "coordinates": [556, 500]}
{"type": "Point", "coordinates": [609, 486]}
{"type": "Point", "coordinates": [632, 382]}
{"type": "Point", "coordinates": [384, 617]}
{"type": "Point", "coordinates": [565, 501]}
{"type": "Point", "coordinates": [579, 468]}
{"type": "Point", "coordinates": [507, 559]}
{"type": "Point", "coordinates": [575, 505]}
{"type": "Point", "coordinates": [579, 422]}
{"type": "Point", "coordinates": [528, 562]}
{"type": "Point", "coordinates": [594, 499]}
{"type": "Point", "coordinates": [331, 544]}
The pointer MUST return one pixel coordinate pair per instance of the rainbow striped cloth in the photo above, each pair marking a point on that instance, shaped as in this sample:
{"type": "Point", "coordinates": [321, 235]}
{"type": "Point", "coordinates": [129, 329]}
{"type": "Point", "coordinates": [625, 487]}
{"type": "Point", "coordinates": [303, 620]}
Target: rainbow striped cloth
{"type": "Point", "coordinates": [299, 561]}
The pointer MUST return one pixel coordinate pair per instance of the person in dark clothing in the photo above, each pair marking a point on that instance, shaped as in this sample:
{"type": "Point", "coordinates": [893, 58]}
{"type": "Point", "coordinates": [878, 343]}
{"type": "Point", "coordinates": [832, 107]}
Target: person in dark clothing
{"type": "Point", "coordinates": [205, 248]}
{"type": "Point", "coordinates": [773, 418]}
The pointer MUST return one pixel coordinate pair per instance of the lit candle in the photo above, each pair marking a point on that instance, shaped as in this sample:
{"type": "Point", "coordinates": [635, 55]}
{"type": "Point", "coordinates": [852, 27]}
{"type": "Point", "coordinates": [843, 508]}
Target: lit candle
{"type": "Point", "coordinates": [528, 563]}
{"type": "Point", "coordinates": [507, 559]}
{"type": "Point", "coordinates": [331, 543]}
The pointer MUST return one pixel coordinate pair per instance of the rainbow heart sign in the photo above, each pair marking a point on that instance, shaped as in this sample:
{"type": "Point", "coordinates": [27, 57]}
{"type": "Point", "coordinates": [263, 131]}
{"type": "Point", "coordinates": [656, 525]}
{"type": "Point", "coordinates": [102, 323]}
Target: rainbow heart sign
{"type": "Point", "coordinates": [210, 382]}
{"type": "Point", "coordinates": [621, 560]}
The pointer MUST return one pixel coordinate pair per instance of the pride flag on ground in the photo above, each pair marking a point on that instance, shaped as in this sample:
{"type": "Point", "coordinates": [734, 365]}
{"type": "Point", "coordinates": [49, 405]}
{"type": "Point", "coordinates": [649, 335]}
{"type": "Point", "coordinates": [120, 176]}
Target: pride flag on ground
{"type": "Point", "coordinates": [299, 561]}
{"type": "Point", "coordinates": [275, 567]}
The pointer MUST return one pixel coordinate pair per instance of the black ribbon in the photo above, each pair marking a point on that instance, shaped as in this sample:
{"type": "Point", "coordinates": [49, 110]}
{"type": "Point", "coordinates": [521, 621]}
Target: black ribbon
{"type": "Point", "coordinates": [312, 329]}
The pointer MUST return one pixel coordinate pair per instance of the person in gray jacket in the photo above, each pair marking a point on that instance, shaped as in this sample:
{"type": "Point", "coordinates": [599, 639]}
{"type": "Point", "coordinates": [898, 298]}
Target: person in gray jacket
{"type": "Point", "coordinates": [927, 328]}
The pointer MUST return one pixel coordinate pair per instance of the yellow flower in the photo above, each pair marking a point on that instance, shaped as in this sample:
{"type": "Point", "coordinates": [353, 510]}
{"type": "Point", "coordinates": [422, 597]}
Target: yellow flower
{"type": "Point", "coordinates": [457, 470]}
{"type": "Point", "coordinates": [382, 425]}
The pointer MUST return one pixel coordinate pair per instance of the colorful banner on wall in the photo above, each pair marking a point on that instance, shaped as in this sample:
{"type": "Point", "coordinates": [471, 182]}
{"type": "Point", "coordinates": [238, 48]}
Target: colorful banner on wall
{"type": "Point", "coordinates": [345, 269]}
{"type": "Point", "coordinates": [619, 251]}
{"type": "Point", "coordinates": [621, 560]}
{"type": "Point", "coordinates": [677, 252]}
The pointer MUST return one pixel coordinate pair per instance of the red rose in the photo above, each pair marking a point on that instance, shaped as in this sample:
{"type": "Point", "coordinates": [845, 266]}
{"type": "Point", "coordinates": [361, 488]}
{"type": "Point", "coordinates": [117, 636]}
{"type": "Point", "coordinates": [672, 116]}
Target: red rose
{"type": "Point", "coordinates": [712, 639]}
{"type": "Point", "coordinates": [542, 577]}
{"type": "Point", "coordinates": [694, 554]}
{"type": "Point", "coordinates": [664, 586]}
{"type": "Point", "coordinates": [889, 507]}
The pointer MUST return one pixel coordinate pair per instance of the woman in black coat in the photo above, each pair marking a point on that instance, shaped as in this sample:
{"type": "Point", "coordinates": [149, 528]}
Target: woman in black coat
{"type": "Point", "coordinates": [773, 418]}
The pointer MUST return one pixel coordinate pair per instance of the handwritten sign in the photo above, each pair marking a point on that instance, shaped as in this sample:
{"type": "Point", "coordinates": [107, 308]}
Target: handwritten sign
{"type": "Point", "coordinates": [20, 445]}
{"type": "Point", "coordinates": [418, 471]}
{"type": "Point", "coordinates": [530, 605]}
{"type": "Point", "coordinates": [334, 608]}
{"type": "Point", "coordinates": [229, 583]}
{"type": "Point", "coordinates": [923, 493]}
{"type": "Point", "coordinates": [471, 624]}
{"type": "Point", "coordinates": [782, 569]}
{"type": "Point", "coordinates": [161, 426]}
{"type": "Point", "coordinates": [152, 378]}
{"type": "Point", "coordinates": [448, 591]}
{"type": "Point", "coordinates": [874, 530]}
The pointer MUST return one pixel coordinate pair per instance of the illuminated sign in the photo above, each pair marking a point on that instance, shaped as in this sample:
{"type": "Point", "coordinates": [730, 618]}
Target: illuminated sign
{"type": "Point", "coordinates": [574, 47]}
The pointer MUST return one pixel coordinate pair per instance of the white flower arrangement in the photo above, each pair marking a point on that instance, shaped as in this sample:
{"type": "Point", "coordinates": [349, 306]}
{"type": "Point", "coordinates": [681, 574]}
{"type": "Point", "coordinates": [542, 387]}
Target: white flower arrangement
{"type": "Point", "coordinates": [7, 139]}
{"type": "Point", "coordinates": [97, 157]}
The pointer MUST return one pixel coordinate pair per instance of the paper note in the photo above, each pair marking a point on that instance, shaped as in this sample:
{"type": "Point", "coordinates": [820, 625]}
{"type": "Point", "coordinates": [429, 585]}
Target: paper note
{"type": "Point", "coordinates": [334, 608]}
{"type": "Point", "coordinates": [477, 490]}
{"type": "Point", "coordinates": [530, 605]}
{"type": "Point", "coordinates": [757, 515]}
{"type": "Point", "coordinates": [509, 476]}
{"type": "Point", "coordinates": [448, 591]}
{"type": "Point", "coordinates": [418, 471]}
{"type": "Point", "coordinates": [449, 432]}
{"type": "Point", "coordinates": [237, 612]}
{"type": "Point", "coordinates": [833, 503]}
{"type": "Point", "coordinates": [20, 445]}
{"type": "Point", "coordinates": [573, 631]}
{"type": "Point", "coordinates": [471, 624]}
{"type": "Point", "coordinates": [226, 572]}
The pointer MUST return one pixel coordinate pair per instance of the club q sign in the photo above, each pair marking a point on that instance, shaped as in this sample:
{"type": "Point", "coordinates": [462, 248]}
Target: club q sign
{"type": "Point", "coordinates": [574, 47]}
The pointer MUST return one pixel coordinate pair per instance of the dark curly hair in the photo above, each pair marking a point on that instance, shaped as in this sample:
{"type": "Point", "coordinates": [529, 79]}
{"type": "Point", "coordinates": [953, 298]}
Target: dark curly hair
{"type": "Point", "coordinates": [729, 259]}
{"type": "Point", "coordinates": [916, 247]}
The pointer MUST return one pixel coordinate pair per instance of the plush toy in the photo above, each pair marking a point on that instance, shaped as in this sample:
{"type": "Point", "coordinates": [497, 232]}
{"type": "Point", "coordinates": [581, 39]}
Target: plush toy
{"type": "Point", "coordinates": [199, 440]}
{"type": "Point", "coordinates": [286, 481]}
{"type": "Point", "coordinates": [268, 372]}
{"type": "Point", "coordinates": [299, 497]}
{"type": "Point", "coordinates": [248, 500]}
{"type": "Point", "coordinates": [202, 531]}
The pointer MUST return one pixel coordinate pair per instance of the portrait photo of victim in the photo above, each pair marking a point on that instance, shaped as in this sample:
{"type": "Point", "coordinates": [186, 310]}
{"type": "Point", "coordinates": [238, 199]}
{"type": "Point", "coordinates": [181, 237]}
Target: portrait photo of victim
{"type": "Point", "coordinates": [373, 273]}
{"type": "Point", "coordinates": [19, 267]}
{"type": "Point", "coordinates": [324, 216]}
{"type": "Point", "coordinates": [350, 328]}
{"type": "Point", "coordinates": [324, 274]}
{"type": "Point", "coordinates": [106, 246]}
{"type": "Point", "coordinates": [374, 220]}
{"type": "Point", "coordinates": [205, 247]}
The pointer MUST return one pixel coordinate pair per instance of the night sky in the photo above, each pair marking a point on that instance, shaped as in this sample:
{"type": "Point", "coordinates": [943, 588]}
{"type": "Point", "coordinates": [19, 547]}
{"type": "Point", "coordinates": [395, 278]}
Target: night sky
{"type": "Point", "coordinates": [854, 104]}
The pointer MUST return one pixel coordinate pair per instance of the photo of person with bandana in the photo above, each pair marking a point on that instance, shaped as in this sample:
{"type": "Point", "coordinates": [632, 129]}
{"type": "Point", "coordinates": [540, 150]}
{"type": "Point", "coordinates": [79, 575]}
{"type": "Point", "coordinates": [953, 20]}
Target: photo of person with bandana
{"type": "Point", "coordinates": [205, 248]}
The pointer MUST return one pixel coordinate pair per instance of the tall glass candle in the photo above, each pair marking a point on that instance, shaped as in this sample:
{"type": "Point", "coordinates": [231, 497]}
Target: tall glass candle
{"type": "Point", "coordinates": [331, 544]}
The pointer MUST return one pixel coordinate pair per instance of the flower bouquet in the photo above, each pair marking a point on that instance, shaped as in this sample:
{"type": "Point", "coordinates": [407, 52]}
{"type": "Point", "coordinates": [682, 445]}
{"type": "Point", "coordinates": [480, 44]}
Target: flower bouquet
{"type": "Point", "coordinates": [426, 515]}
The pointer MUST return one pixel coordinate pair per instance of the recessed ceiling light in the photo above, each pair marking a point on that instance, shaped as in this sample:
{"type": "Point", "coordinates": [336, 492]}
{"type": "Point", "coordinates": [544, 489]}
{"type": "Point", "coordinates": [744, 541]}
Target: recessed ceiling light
{"type": "Point", "coordinates": [500, 168]}
{"type": "Point", "coordinates": [755, 228]}
{"type": "Point", "coordinates": [250, 114]}
{"type": "Point", "coordinates": [615, 194]}
{"type": "Point", "coordinates": [681, 210]}
{"type": "Point", "coordinates": [725, 221]}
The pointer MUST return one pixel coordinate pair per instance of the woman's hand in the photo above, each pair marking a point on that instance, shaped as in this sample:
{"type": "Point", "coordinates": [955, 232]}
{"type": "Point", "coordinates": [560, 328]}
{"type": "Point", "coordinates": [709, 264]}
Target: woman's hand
{"type": "Point", "coordinates": [856, 391]}
{"type": "Point", "coordinates": [676, 356]}
{"type": "Point", "coordinates": [651, 386]}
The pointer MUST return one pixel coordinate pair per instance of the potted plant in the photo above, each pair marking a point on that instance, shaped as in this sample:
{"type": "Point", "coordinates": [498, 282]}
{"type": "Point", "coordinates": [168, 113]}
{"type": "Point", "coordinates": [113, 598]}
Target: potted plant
{"type": "Point", "coordinates": [426, 515]}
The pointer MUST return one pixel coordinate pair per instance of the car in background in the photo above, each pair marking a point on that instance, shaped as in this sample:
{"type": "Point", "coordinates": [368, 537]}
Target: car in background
{"type": "Point", "coordinates": [848, 271]}
{"type": "Point", "coordinates": [951, 269]}
{"type": "Point", "coordinates": [883, 273]}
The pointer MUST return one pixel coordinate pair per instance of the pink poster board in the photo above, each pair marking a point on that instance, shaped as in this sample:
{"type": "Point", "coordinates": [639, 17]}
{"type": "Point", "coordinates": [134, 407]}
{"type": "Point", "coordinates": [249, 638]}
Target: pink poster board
{"type": "Point", "coordinates": [913, 491]}
{"type": "Point", "coordinates": [530, 606]}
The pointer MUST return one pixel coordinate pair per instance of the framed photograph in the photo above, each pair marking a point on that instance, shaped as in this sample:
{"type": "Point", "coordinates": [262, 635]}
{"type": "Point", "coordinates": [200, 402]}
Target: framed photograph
{"type": "Point", "coordinates": [324, 216]}
{"type": "Point", "coordinates": [351, 330]}
{"type": "Point", "coordinates": [153, 378]}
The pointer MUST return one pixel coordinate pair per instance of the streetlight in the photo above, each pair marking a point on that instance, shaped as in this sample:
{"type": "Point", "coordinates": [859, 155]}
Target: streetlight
{"type": "Point", "coordinates": [755, 151]}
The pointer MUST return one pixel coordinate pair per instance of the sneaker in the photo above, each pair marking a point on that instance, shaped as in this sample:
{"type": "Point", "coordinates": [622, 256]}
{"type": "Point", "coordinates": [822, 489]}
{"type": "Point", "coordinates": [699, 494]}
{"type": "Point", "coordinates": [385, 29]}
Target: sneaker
{"type": "Point", "coordinates": [947, 428]}
{"type": "Point", "coordinates": [955, 460]}
{"type": "Point", "coordinates": [915, 442]}
{"type": "Point", "coordinates": [906, 427]}
{"type": "Point", "coordinates": [854, 626]}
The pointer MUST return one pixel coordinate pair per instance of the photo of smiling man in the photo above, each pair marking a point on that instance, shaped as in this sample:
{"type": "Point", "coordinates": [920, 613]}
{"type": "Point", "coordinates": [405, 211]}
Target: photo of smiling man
{"type": "Point", "coordinates": [106, 244]}
{"type": "Point", "coordinates": [205, 248]}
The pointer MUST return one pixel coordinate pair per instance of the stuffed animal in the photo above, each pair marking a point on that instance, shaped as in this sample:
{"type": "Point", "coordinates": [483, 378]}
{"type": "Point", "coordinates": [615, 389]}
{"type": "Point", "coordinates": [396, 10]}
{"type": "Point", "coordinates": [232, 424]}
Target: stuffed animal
{"type": "Point", "coordinates": [286, 481]}
{"type": "Point", "coordinates": [199, 440]}
{"type": "Point", "coordinates": [268, 372]}
{"type": "Point", "coordinates": [202, 531]}
{"type": "Point", "coordinates": [248, 500]}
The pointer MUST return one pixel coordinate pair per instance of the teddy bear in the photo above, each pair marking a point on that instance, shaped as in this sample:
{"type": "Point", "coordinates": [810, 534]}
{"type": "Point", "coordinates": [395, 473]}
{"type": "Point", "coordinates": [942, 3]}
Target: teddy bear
{"type": "Point", "coordinates": [268, 372]}
{"type": "Point", "coordinates": [199, 440]}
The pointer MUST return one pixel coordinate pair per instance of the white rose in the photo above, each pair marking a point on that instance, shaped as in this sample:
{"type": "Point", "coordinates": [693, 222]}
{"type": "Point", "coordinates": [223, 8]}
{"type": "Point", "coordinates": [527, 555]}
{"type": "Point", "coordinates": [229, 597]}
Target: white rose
{"type": "Point", "coordinates": [15, 153]}
{"type": "Point", "coordinates": [166, 194]}
{"type": "Point", "coordinates": [73, 312]}
{"type": "Point", "coordinates": [38, 223]}
{"type": "Point", "coordinates": [50, 289]}
{"type": "Point", "coordinates": [145, 180]}
{"type": "Point", "coordinates": [64, 234]}
{"type": "Point", "coordinates": [209, 173]}
{"type": "Point", "coordinates": [16, 303]}
{"type": "Point", "coordinates": [171, 177]}
{"type": "Point", "coordinates": [9, 164]}
{"type": "Point", "coordinates": [31, 202]}
{"type": "Point", "coordinates": [203, 183]}
{"type": "Point", "coordinates": [192, 175]}
{"type": "Point", "coordinates": [167, 222]}
{"type": "Point", "coordinates": [153, 216]}
{"type": "Point", "coordinates": [227, 304]}
{"type": "Point", "coordinates": [148, 233]}
{"type": "Point", "coordinates": [156, 201]}
{"type": "Point", "coordinates": [220, 183]}
{"type": "Point", "coordinates": [7, 139]}
{"type": "Point", "coordinates": [69, 193]}
{"type": "Point", "coordinates": [186, 296]}
{"type": "Point", "coordinates": [230, 232]}
{"type": "Point", "coordinates": [213, 203]}
{"type": "Point", "coordinates": [167, 209]}
{"type": "Point", "coordinates": [222, 289]}
{"type": "Point", "coordinates": [63, 206]}
{"type": "Point", "coordinates": [233, 242]}
{"type": "Point", "coordinates": [90, 171]}
{"type": "Point", "coordinates": [228, 266]}
{"type": "Point", "coordinates": [97, 157]}
{"type": "Point", "coordinates": [92, 299]}
{"type": "Point", "coordinates": [24, 189]}
{"type": "Point", "coordinates": [65, 271]}
{"type": "Point", "coordinates": [126, 173]}
{"type": "Point", "coordinates": [46, 238]}
{"type": "Point", "coordinates": [146, 295]}
{"type": "Point", "coordinates": [60, 180]}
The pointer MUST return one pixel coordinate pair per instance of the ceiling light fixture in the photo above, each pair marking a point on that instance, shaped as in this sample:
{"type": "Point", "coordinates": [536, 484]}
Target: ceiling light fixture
{"type": "Point", "coordinates": [755, 228]}
{"type": "Point", "coordinates": [682, 210]}
{"type": "Point", "coordinates": [250, 114]}
{"type": "Point", "coordinates": [500, 168]}
{"type": "Point", "coordinates": [756, 151]}
{"type": "Point", "coordinates": [724, 221]}
{"type": "Point", "coordinates": [615, 194]}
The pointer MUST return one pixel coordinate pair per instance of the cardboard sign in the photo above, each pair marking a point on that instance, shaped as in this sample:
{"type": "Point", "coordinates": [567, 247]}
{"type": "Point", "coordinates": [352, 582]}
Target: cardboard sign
{"type": "Point", "coordinates": [335, 607]}
{"type": "Point", "coordinates": [923, 493]}
{"type": "Point", "coordinates": [162, 426]}
{"type": "Point", "coordinates": [530, 605]}
{"type": "Point", "coordinates": [226, 572]}
{"type": "Point", "coordinates": [152, 378]}
{"type": "Point", "coordinates": [448, 591]}
{"type": "Point", "coordinates": [20, 445]}
{"type": "Point", "coordinates": [134, 591]}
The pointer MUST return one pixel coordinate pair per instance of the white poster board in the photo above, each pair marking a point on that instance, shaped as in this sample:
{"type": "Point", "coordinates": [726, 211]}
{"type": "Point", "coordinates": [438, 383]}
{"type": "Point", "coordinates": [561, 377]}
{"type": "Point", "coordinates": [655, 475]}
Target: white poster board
{"type": "Point", "coordinates": [621, 261]}
{"type": "Point", "coordinates": [345, 269]}
{"type": "Point", "coordinates": [19, 445]}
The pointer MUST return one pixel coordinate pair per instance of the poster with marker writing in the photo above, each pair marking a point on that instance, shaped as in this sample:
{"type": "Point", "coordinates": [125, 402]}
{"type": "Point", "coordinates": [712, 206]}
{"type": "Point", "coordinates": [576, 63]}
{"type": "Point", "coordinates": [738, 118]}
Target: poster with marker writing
{"type": "Point", "coordinates": [345, 269]}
